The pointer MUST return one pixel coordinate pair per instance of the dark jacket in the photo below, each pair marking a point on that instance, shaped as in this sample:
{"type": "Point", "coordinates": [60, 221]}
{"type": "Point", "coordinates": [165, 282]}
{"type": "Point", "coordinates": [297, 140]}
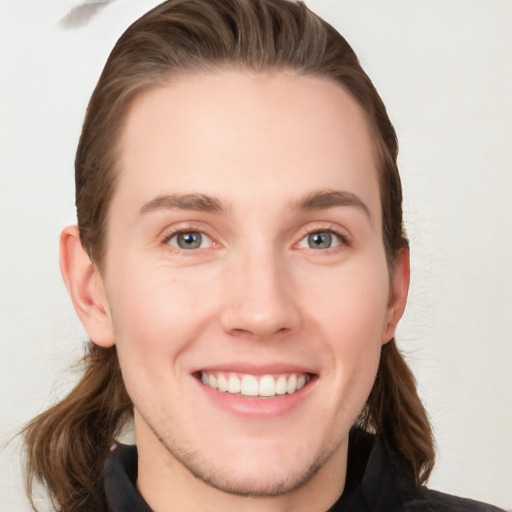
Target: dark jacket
{"type": "Point", "coordinates": [377, 481]}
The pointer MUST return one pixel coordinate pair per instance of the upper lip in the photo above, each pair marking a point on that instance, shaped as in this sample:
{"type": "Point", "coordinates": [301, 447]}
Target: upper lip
{"type": "Point", "coordinates": [255, 369]}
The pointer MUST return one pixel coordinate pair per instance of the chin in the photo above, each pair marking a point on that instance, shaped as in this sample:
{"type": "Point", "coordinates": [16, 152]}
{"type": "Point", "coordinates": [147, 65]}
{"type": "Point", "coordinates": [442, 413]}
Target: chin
{"type": "Point", "coordinates": [257, 471]}
{"type": "Point", "coordinates": [257, 481]}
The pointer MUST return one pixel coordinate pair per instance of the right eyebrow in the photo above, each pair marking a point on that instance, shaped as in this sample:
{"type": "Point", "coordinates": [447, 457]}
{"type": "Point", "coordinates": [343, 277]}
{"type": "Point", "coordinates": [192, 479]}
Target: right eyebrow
{"type": "Point", "coordinates": [324, 199]}
{"type": "Point", "coordinates": [200, 202]}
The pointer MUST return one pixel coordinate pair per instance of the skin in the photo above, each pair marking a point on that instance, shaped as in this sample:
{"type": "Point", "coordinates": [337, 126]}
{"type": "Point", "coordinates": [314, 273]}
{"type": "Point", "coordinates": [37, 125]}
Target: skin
{"type": "Point", "coordinates": [255, 293]}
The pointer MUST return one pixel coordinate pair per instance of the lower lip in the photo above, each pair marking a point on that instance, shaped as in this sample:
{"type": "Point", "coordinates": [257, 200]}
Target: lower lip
{"type": "Point", "coordinates": [261, 407]}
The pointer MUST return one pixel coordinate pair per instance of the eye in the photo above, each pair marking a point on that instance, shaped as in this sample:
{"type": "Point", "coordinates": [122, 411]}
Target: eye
{"type": "Point", "coordinates": [320, 240]}
{"type": "Point", "coordinates": [189, 240]}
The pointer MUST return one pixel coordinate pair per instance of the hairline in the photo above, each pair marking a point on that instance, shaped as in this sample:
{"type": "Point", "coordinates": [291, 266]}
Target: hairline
{"type": "Point", "coordinates": [157, 80]}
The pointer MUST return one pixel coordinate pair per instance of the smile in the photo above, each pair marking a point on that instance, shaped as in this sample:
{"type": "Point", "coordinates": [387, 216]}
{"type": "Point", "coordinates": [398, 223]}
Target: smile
{"type": "Point", "coordinates": [255, 386]}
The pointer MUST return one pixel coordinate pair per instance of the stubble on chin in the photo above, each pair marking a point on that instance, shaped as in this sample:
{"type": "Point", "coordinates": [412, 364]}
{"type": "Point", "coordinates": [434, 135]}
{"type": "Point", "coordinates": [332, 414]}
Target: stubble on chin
{"type": "Point", "coordinates": [257, 487]}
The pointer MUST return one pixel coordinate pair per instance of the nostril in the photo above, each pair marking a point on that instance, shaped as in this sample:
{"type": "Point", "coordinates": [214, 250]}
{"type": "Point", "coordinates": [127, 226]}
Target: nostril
{"type": "Point", "coordinates": [258, 333]}
{"type": "Point", "coordinates": [240, 332]}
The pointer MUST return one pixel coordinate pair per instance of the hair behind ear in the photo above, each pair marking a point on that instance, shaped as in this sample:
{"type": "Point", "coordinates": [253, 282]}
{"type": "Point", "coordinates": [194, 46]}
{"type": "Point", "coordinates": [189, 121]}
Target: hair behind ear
{"type": "Point", "coordinates": [395, 411]}
{"type": "Point", "coordinates": [67, 445]}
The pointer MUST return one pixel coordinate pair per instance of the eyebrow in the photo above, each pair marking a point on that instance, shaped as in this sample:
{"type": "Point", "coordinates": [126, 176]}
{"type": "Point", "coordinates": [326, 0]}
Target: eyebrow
{"type": "Point", "coordinates": [318, 200]}
{"type": "Point", "coordinates": [324, 199]}
{"type": "Point", "coordinates": [200, 202]}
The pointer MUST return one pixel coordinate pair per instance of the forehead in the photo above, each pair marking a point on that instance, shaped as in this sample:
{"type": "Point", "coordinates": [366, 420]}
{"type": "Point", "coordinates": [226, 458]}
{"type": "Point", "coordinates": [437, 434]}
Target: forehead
{"type": "Point", "coordinates": [236, 134]}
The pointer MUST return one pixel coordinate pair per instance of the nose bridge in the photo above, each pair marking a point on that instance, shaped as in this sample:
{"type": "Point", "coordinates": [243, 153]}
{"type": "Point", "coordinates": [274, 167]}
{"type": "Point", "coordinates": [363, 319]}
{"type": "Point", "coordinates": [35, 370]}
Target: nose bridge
{"type": "Point", "coordinates": [261, 302]}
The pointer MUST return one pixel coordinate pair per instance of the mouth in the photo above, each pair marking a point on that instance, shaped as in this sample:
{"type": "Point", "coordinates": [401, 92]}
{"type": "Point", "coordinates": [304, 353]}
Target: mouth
{"type": "Point", "coordinates": [254, 386]}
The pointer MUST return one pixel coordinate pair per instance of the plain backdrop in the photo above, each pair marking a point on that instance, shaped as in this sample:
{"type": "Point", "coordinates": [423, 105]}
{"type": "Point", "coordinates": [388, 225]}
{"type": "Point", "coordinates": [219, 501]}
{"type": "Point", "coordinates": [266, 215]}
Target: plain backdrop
{"type": "Point", "coordinates": [444, 70]}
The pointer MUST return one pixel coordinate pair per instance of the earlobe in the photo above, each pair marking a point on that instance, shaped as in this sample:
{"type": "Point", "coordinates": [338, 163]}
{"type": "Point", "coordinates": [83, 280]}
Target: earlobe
{"type": "Point", "coordinates": [398, 293]}
{"type": "Point", "coordinates": [85, 286]}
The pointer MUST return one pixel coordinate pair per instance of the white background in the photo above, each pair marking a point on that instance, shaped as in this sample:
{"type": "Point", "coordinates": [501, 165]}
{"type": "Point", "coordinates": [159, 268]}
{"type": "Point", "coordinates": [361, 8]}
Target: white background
{"type": "Point", "coordinates": [444, 70]}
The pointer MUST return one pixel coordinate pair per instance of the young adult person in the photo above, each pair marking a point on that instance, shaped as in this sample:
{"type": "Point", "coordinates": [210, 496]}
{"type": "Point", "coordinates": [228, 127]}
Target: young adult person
{"type": "Point", "coordinates": [240, 267]}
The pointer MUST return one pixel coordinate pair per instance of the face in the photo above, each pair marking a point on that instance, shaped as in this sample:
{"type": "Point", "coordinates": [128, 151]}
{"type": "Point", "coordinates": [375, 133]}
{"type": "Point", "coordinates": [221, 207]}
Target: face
{"type": "Point", "coordinates": [245, 278]}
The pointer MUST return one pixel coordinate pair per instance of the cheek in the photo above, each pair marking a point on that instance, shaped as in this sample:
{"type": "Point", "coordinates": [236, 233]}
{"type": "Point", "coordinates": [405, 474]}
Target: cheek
{"type": "Point", "coordinates": [351, 314]}
{"type": "Point", "coordinates": [154, 320]}
{"type": "Point", "coordinates": [155, 312]}
{"type": "Point", "coordinates": [352, 303]}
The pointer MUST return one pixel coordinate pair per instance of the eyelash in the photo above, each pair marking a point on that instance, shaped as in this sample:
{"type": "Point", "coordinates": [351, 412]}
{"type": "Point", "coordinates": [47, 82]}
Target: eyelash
{"type": "Point", "coordinates": [345, 240]}
{"type": "Point", "coordinates": [185, 229]}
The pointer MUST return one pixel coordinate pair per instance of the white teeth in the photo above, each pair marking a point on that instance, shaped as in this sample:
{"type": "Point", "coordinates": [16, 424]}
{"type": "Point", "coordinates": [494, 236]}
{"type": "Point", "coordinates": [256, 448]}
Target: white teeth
{"type": "Point", "coordinates": [222, 382]}
{"type": "Point", "coordinates": [234, 385]}
{"type": "Point", "coordinates": [267, 386]}
{"type": "Point", "coordinates": [281, 385]}
{"type": "Point", "coordinates": [249, 385]}
{"type": "Point", "coordinates": [291, 386]}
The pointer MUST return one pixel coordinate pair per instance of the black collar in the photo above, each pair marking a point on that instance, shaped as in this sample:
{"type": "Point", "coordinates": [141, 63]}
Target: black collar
{"type": "Point", "coordinates": [120, 481]}
{"type": "Point", "coordinates": [368, 485]}
{"type": "Point", "coordinates": [378, 480]}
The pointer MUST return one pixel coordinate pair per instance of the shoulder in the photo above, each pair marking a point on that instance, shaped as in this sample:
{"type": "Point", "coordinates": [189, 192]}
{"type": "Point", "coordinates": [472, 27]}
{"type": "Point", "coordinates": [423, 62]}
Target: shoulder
{"type": "Point", "coordinates": [427, 500]}
{"type": "Point", "coordinates": [379, 479]}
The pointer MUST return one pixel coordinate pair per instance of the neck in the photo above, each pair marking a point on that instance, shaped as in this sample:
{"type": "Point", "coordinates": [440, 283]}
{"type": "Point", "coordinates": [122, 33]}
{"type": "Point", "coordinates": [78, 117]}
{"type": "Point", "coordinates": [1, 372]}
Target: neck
{"type": "Point", "coordinates": [168, 486]}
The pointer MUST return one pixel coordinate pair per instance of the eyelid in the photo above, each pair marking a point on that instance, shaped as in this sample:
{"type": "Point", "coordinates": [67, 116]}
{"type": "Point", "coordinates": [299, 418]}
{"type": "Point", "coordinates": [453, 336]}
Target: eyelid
{"type": "Point", "coordinates": [204, 238]}
{"type": "Point", "coordinates": [187, 227]}
{"type": "Point", "coordinates": [342, 234]}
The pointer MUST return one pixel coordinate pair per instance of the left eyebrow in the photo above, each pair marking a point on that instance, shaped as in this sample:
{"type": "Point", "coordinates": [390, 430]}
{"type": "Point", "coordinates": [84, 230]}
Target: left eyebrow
{"type": "Point", "coordinates": [200, 202]}
{"type": "Point", "coordinates": [324, 199]}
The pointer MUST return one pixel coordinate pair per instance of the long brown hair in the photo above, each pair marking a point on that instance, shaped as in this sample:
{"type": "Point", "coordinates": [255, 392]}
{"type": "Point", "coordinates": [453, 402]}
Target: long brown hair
{"type": "Point", "coordinates": [67, 445]}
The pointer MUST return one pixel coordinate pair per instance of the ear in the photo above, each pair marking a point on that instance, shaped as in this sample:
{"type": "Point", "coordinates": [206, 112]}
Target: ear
{"type": "Point", "coordinates": [399, 287]}
{"type": "Point", "coordinates": [85, 286]}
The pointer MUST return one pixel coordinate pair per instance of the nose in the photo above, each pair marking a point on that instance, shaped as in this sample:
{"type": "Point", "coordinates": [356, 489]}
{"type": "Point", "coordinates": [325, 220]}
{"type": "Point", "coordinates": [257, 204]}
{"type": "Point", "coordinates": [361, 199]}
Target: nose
{"type": "Point", "coordinates": [261, 301]}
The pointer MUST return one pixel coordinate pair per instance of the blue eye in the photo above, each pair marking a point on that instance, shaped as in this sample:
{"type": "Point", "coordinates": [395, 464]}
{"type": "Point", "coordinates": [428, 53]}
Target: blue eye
{"type": "Point", "coordinates": [320, 240]}
{"type": "Point", "coordinates": [189, 240]}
